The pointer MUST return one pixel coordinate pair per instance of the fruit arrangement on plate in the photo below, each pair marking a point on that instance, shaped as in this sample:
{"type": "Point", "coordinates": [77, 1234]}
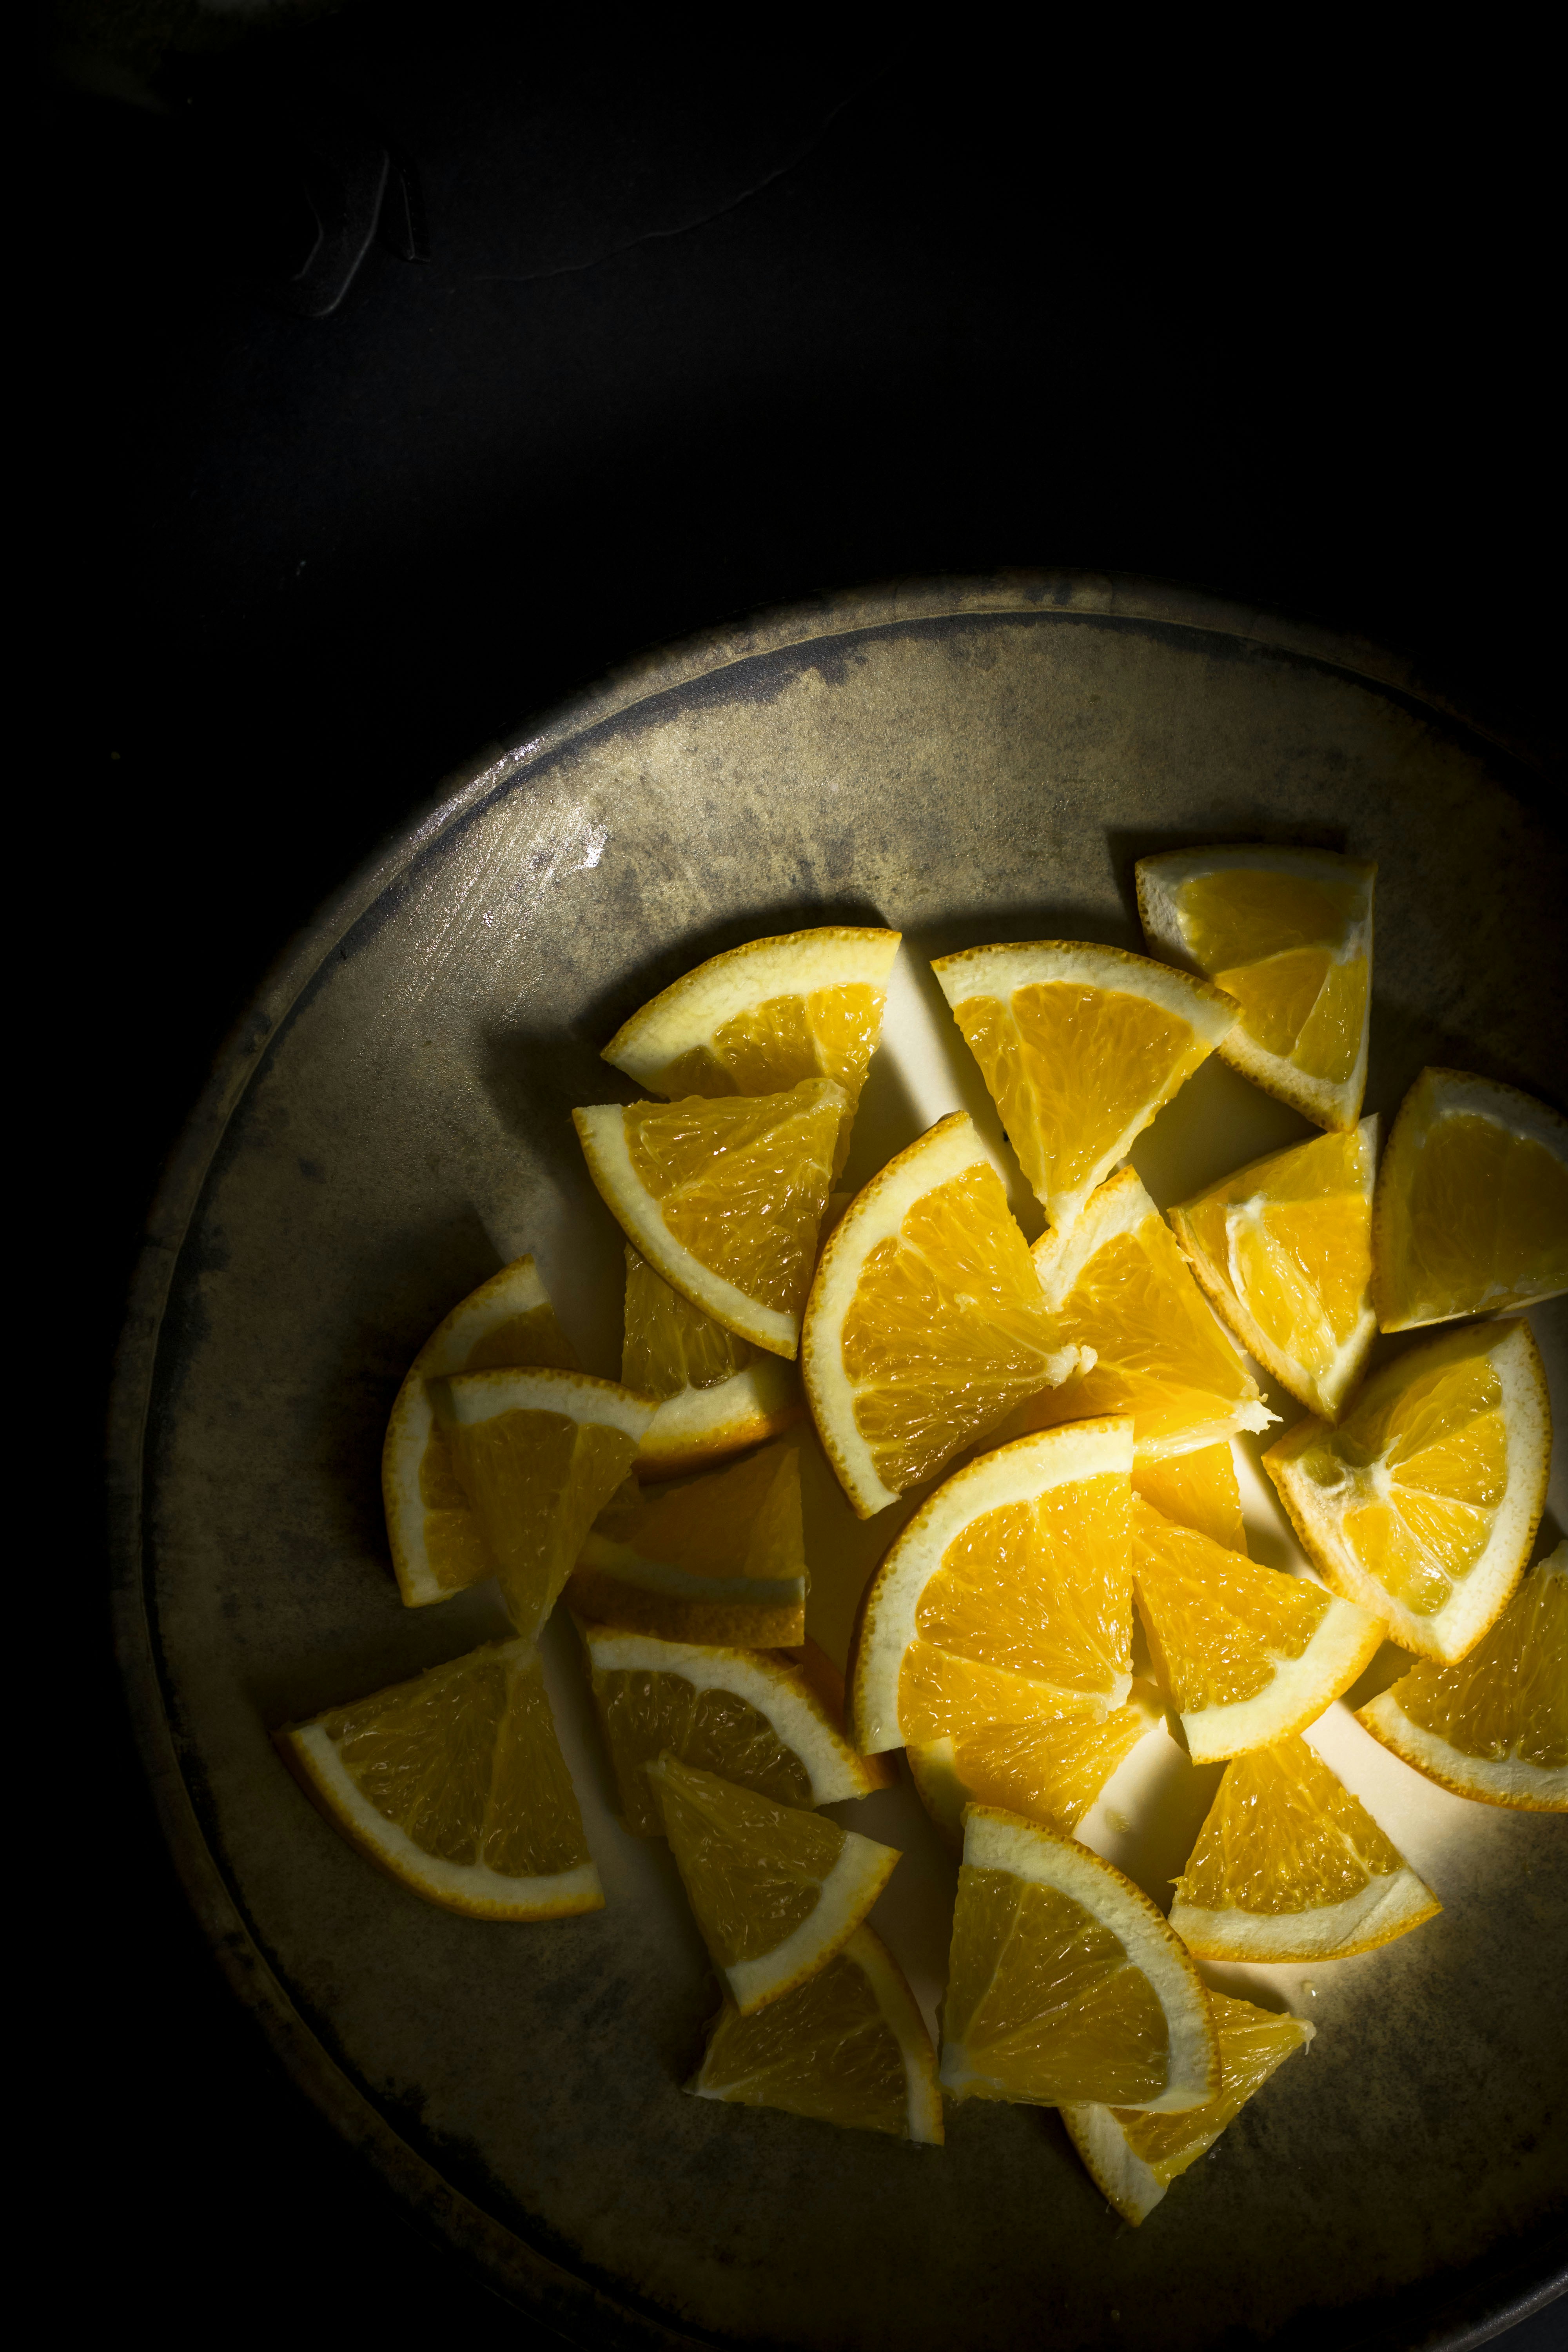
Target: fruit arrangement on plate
{"type": "Point", "coordinates": [1074, 1577]}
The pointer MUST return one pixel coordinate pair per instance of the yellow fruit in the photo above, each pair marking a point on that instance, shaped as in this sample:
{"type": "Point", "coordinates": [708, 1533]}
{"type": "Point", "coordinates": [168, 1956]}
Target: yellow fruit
{"type": "Point", "coordinates": [775, 1891]}
{"type": "Point", "coordinates": [1066, 1983]}
{"type": "Point", "coordinates": [1496, 1726]}
{"type": "Point", "coordinates": [1286, 933]}
{"type": "Point", "coordinates": [1245, 1654]}
{"type": "Point", "coordinates": [1291, 1866]}
{"type": "Point", "coordinates": [538, 1454]}
{"type": "Point", "coordinates": [926, 1326]}
{"type": "Point", "coordinates": [1196, 1490]}
{"type": "Point", "coordinates": [1118, 1287]}
{"type": "Point", "coordinates": [1471, 1216]}
{"type": "Point", "coordinates": [437, 1544]}
{"type": "Point", "coordinates": [723, 1199]}
{"type": "Point", "coordinates": [1423, 1504]}
{"type": "Point", "coordinates": [848, 2046]}
{"type": "Point", "coordinates": [1283, 1251]}
{"type": "Point", "coordinates": [454, 1783]}
{"type": "Point", "coordinates": [764, 1718]}
{"type": "Point", "coordinates": [1079, 1046]}
{"type": "Point", "coordinates": [1133, 2159]}
{"type": "Point", "coordinates": [720, 1559]}
{"type": "Point", "coordinates": [715, 1393]}
{"type": "Point", "coordinates": [995, 1641]}
{"type": "Point", "coordinates": [763, 1017]}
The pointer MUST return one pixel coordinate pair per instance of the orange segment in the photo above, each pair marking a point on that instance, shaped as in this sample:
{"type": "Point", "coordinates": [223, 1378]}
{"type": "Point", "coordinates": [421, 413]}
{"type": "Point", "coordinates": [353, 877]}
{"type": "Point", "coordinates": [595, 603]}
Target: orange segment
{"type": "Point", "coordinates": [1196, 1490]}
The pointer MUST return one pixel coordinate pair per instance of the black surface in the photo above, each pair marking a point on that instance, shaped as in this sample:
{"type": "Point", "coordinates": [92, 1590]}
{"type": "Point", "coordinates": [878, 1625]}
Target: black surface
{"type": "Point", "coordinates": [693, 338]}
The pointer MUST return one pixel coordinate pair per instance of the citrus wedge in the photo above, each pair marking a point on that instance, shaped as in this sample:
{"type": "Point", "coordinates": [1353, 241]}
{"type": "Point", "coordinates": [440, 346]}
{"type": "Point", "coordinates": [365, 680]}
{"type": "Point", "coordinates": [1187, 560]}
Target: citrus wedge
{"type": "Point", "coordinates": [1286, 933]}
{"type": "Point", "coordinates": [1423, 1504]}
{"type": "Point", "coordinates": [437, 1544]}
{"type": "Point", "coordinates": [764, 1718]}
{"type": "Point", "coordinates": [1197, 1490]}
{"type": "Point", "coordinates": [1471, 1216]}
{"type": "Point", "coordinates": [848, 2046]}
{"type": "Point", "coordinates": [538, 1454]}
{"type": "Point", "coordinates": [1064, 1982]}
{"type": "Point", "coordinates": [926, 1326]}
{"type": "Point", "coordinates": [723, 1199]}
{"type": "Point", "coordinates": [715, 1393]}
{"type": "Point", "coordinates": [454, 1783]}
{"type": "Point", "coordinates": [720, 1559]}
{"type": "Point", "coordinates": [1118, 1287]}
{"type": "Point", "coordinates": [1080, 1047]}
{"type": "Point", "coordinates": [1133, 2159]}
{"type": "Point", "coordinates": [1245, 1654]}
{"type": "Point", "coordinates": [774, 1890]}
{"type": "Point", "coordinates": [1496, 1726]}
{"type": "Point", "coordinates": [1283, 1251]}
{"type": "Point", "coordinates": [1291, 1866]}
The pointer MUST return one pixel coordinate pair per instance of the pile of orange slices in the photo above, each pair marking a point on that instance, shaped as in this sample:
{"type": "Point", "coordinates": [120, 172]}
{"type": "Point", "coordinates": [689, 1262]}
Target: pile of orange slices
{"type": "Point", "coordinates": [1070, 1576]}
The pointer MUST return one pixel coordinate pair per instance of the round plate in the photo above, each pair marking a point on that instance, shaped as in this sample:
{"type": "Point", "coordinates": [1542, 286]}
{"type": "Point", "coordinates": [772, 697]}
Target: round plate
{"type": "Point", "coordinates": [967, 761]}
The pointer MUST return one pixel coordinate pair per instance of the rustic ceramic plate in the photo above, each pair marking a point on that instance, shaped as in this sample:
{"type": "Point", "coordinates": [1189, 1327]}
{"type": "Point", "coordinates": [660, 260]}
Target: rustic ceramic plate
{"type": "Point", "coordinates": [967, 762]}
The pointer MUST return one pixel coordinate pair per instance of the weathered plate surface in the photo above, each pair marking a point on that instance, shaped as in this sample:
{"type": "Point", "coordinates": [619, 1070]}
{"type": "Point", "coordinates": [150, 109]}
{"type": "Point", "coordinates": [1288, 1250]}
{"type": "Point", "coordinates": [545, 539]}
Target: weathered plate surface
{"type": "Point", "coordinates": [965, 762]}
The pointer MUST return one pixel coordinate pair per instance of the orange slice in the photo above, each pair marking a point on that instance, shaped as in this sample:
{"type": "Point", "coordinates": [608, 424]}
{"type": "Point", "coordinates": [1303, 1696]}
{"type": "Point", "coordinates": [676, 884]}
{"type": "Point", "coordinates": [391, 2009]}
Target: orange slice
{"type": "Point", "coordinates": [1079, 1046]}
{"type": "Point", "coordinates": [720, 1559]}
{"type": "Point", "coordinates": [715, 1393]}
{"type": "Point", "coordinates": [1197, 1490]}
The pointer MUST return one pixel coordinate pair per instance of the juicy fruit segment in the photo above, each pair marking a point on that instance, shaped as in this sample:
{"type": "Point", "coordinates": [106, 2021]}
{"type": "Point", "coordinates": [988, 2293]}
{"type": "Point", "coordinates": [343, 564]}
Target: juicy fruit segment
{"type": "Point", "coordinates": [455, 1783]}
{"type": "Point", "coordinates": [1283, 1251]}
{"type": "Point", "coordinates": [1196, 1490]}
{"type": "Point", "coordinates": [1080, 1047]}
{"type": "Point", "coordinates": [1064, 1982]}
{"type": "Point", "coordinates": [538, 1455]}
{"type": "Point", "coordinates": [1048, 1768]}
{"type": "Point", "coordinates": [1289, 1865]}
{"type": "Point", "coordinates": [1495, 1727]}
{"type": "Point", "coordinates": [775, 1891]}
{"type": "Point", "coordinates": [1424, 1502]}
{"type": "Point", "coordinates": [1119, 1288]}
{"type": "Point", "coordinates": [1245, 1654]}
{"type": "Point", "coordinates": [1133, 2159]}
{"type": "Point", "coordinates": [1472, 1203]}
{"type": "Point", "coordinates": [926, 1325]}
{"type": "Point", "coordinates": [848, 2046]}
{"type": "Point", "coordinates": [715, 1393]}
{"type": "Point", "coordinates": [723, 1199]}
{"type": "Point", "coordinates": [669, 1345]}
{"type": "Point", "coordinates": [720, 1559]}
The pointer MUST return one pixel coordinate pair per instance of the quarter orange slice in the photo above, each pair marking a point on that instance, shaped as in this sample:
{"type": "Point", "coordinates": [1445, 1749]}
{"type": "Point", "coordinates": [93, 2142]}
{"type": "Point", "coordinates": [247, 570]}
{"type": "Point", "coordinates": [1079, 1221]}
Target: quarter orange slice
{"type": "Point", "coordinates": [720, 1559]}
{"type": "Point", "coordinates": [715, 1393]}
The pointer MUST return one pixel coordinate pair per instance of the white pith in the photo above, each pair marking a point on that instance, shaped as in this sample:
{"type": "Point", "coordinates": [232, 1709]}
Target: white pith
{"type": "Point", "coordinates": [1384, 1908]}
{"type": "Point", "coordinates": [692, 1427]}
{"type": "Point", "coordinates": [1019, 1473]}
{"type": "Point", "coordinates": [993, 1840]}
{"type": "Point", "coordinates": [690, 1011]}
{"type": "Point", "coordinates": [477, 1396]}
{"type": "Point", "coordinates": [1491, 1780]}
{"type": "Point", "coordinates": [470, 1886]}
{"type": "Point", "coordinates": [1303, 1687]}
{"type": "Point", "coordinates": [1436, 1095]}
{"type": "Point", "coordinates": [847, 1894]}
{"type": "Point", "coordinates": [1123, 2177]}
{"type": "Point", "coordinates": [662, 1576]}
{"type": "Point", "coordinates": [777, 1692]}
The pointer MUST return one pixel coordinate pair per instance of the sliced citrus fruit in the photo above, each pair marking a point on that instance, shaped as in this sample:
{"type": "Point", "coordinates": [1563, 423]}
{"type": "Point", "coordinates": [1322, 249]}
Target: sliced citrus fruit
{"type": "Point", "coordinates": [1283, 1250]}
{"type": "Point", "coordinates": [715, 1393]}
{"type": "Point", "coordinates": [1119, 1288]}
{"type": "Point", "coordinates": [1064, 1982]}
{"type": "Point", "coordinates": [1291, 1866]}
{"type": "Point", "coordinates": [1080, 1047]}
{"type": "Point", "coordinates": [775, 1890]}
{"type": "Point", "coordinates": [763, 1017]}
{"type": "Point", "coordinates": [723, 1199]}
{"type": "Point", "coordinates": [1286, 933]}
{"type": "Point", "coordinates": [848, 2046]}
{"type": "Point", "coordinates": [1132, 2158]}
{"type": "Point", "coordinates": [538, 1454]}
{"type": "Point", "coordinates": [719, 1559]}
{"type": "Point", "coordinates": [1245, 1654]}
{"type": "Point", "coordinates": [1423, 1504]}
{"type": "Point", "coordinates": [437, 1544]}
{"type": "Point", "coordinates": [995, 1641]}
{"type": "Point", "coordinates": [1471, 1214]}
{"type": "Point", "coordinates": [1495, 1727]}
{"type": "Point", "coordinates": [454, 1782]}
{"type": "Point", "coordinates": [926, 1325]}
{"type": "Point", "coordinates": [764, 1718]}
{"type": "Point", "coordinates": [1197, 1490]}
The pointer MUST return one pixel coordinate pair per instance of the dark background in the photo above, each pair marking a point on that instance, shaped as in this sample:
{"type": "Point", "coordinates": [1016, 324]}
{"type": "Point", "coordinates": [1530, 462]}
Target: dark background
{"type": "Point", "coordinates": [703, 327]}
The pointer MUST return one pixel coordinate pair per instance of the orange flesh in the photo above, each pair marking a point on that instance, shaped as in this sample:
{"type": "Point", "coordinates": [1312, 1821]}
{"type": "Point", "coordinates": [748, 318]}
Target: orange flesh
{"type": "Point", "coordinates": [824, 2049]}
{"type": "Point", "coordinates": [1485, 1226]}
{"type": "Point", "coordinates": [1218, 1624]}
{"type": "Point", "coordinates": [643, 1713]}
{"type": "Point", "coordinates": [742, 1184]}
{"type": "Point", "coordinates": [1509, 1697]}
{"type": "Point", "coordinates": [670, 1345]}
{"type": "Point", "coordinates": [1271, 941]}
{"type": "Point", "coordinates": [753, 1869]}
{"type": "Point", "coordinates": [1196, 1490]}
{"type": "Point", "coordinates": [537, 1481]}
{"type": "Point", "coordinates": [455, 1544]}
{"type": "Point", "coordinates": [1252, 2043]}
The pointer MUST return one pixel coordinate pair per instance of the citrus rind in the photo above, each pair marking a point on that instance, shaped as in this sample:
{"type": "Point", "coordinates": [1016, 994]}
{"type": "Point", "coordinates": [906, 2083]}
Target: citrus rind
{"type": "Point", "coordinates": [703, 1425]}
{"type": "Point", "coordinates": [1384, 1908]}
